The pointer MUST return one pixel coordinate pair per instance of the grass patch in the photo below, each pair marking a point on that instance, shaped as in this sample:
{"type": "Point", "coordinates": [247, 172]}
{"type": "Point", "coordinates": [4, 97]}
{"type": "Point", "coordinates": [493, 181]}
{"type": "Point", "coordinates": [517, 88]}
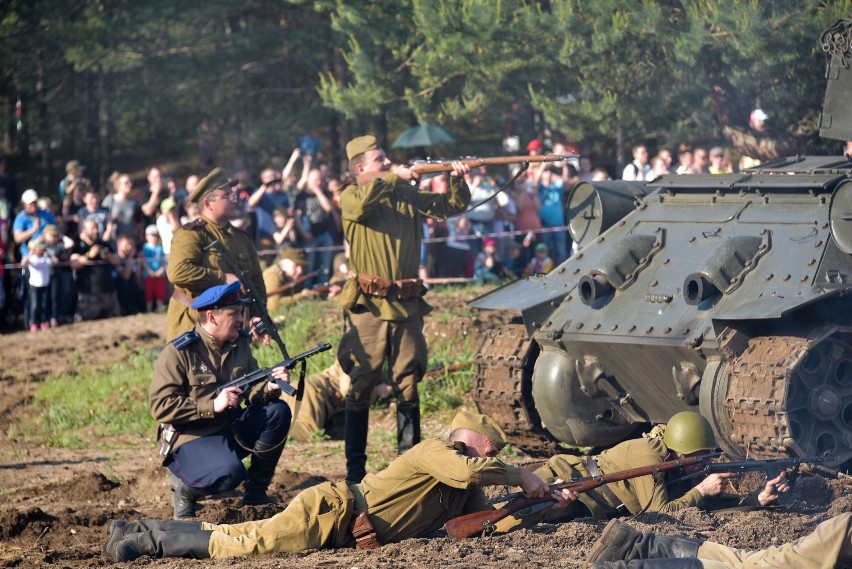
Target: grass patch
{"type": "Point", "coordinates": [98, 407]}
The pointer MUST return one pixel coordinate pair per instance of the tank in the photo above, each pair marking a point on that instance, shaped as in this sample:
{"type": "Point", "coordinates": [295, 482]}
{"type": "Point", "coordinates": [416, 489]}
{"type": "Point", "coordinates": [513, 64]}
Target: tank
{"type": "Point", "coordinates": [723, 294]}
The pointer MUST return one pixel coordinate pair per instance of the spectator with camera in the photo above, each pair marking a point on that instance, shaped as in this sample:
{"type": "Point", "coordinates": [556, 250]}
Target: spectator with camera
{"type": "Point", "coordinates": [93, 260]}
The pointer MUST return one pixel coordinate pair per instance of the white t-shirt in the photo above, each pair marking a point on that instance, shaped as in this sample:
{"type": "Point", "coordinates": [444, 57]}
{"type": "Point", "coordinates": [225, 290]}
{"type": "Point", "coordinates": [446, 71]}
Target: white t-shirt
{"type": "Point", "coordinates": [40, 270]}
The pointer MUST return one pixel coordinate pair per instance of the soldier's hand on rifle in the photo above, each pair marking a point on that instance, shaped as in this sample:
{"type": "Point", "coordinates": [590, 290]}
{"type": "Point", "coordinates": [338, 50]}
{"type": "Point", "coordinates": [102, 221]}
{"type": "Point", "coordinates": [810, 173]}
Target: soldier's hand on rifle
{"type": "Point", "coordinates": [563, 498]}
{"type": "Point", "coordinates": [259, 333]}
{"type": "Point", "coordinates": [404, 173]}
{"type": "Point", "coordinates": [280, 374]}
{"type": "Point", "coordinates": [532, 485]}
{"type": "Point", "coordinates": [714, 484]}
{"type": "Point", "coordinates": [773, 489]}
{"type": "Point", "coordinates": [459, 169]}
{"type": "Point", "coordinates": [228, 399]}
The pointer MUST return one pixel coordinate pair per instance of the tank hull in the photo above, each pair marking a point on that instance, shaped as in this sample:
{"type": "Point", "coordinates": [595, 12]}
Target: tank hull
{"type": "Point", "coordinates": [716, 293]}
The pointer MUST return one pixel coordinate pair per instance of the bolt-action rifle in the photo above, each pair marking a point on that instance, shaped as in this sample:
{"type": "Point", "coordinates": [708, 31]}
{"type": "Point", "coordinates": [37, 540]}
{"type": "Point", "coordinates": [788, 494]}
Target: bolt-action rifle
{"type": "Point", "coordinates": [263, 374]}
{"type": "Point", "coordinates": [434, 166]}
{"type": "Point", "coordinates": [479, 523]}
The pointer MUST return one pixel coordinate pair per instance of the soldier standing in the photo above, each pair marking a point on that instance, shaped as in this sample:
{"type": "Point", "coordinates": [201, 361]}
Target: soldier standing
{"type": "Point", "coordinates": [195, 266]}
{"type": "Point", "coordinates": [382, 221]}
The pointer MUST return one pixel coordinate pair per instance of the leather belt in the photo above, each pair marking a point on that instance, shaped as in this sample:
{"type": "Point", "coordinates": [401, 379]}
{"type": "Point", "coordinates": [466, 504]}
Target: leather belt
{"type": "Point", "coordinates": [362, 528]}
{"type": "Point", "coordinates": [595, 470]}
{"type": "Point", "coordinates": [401, 289]}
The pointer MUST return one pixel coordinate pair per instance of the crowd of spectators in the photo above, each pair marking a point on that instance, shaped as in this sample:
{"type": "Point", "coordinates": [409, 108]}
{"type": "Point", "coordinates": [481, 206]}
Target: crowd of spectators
{"type": "Point", "coordinates": [105, 253]}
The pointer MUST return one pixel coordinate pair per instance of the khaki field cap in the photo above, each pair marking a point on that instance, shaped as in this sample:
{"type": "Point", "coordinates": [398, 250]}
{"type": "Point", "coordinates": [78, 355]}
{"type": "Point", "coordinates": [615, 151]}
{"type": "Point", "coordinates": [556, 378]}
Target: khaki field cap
{"type": "Point", "coordinates": [688, 432]}
{"type": "Point", "coordinates": [482, 424]}
{"type": "Point", "coordinates": [215, 180]}
{"type": "Point", "coordinates": [360, 145]}
{"type": "Point", "coordinates": [296, 255]}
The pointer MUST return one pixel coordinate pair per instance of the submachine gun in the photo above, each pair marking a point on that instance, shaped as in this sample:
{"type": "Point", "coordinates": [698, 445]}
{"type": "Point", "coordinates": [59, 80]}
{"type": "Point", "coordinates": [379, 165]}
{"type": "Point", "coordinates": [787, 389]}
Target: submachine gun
{"type": "Point", "coordinates": [263, 374]}
{"type": "Point", "coordinates": [770, 468]}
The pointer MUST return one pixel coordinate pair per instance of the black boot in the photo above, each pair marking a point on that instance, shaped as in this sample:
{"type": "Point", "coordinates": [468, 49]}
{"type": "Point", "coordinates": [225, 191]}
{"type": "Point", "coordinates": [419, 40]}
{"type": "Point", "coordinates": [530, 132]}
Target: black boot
{"type": "Point", "coordinates": [157, 543]}
{"type": "Point", "coordinates": [184, 498]}
{"type": "Point", "coordinates": [264, 459]}
{"type": "Point", "coordinates": [620, 542]}
{"type": "Point", "coordinates": [355, 442]}
{"type": "Point", "coordinates": [407, 426]}
{"type": "Point", "coordinates": [674, 563]}
{"type": "Point", "coordinates": [120, 529]}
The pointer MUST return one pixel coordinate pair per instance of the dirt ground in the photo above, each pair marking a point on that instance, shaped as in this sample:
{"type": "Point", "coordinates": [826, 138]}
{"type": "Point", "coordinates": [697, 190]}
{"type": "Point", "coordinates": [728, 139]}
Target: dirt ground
{"type": "Point", "coordinates": [55, 504]}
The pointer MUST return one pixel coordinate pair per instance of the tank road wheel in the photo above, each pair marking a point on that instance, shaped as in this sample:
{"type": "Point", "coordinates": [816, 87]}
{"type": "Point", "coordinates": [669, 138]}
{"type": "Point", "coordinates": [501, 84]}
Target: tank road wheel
{"type": "Point", "coordinates": [789, 394]}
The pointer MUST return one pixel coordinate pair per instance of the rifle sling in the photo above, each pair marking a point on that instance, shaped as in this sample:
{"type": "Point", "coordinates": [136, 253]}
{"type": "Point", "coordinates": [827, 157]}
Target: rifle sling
{"type": "Point", "coordinates": [594, 470]}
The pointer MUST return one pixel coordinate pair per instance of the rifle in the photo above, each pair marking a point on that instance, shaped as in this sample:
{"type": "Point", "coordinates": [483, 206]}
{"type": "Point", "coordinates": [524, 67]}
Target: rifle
{"type": "Point", "coordinates": [431, 166]}
{"type": "Point", "coordinates": [263, 374]}
{"type": "Point", "coordinates": [483, 522]}
{"type": "Point", "coordinates": [442, 370]}
{"type": "Point", "coordinates": [286, 287]}
{"type": "Point", "coordinates": [771, 468]}
{"type": "Point", "coordinates": [248, 285]}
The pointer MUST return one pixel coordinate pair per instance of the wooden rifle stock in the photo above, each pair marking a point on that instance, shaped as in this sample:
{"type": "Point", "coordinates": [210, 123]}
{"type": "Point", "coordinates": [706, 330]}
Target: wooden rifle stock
{"type": "Point", "coordinates": [474, 524]}
{"type": "Point", "coordinates": [431, 166]}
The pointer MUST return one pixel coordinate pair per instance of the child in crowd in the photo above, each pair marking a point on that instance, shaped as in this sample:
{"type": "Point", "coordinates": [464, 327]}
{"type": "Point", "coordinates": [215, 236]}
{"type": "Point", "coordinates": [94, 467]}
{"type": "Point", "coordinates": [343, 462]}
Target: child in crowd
{"type": "Point", "coordinates": [154, 269]}
{"type": "Point", "coordinates": [284, 234]}
{"type": "Point", "coordinates": [488, 267]}
{"type": "Point", "coordinates": [62, 293]}
{"type": "Point", "coordinates": [541, 263]}
{"type": "Point", "coordinates": [128, 281]}
{"type": "Point", "coordinates": [38, 263]}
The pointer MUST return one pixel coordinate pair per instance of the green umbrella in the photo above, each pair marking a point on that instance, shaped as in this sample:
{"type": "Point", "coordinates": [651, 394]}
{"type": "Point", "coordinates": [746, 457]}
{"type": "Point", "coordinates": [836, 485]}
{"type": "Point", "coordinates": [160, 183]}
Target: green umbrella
{"type": "Point", "coordinates": [423, 135]}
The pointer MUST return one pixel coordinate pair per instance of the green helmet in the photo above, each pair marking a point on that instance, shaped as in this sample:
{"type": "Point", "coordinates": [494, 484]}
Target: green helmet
{"type": "Point", "coordinates": [689, 432]}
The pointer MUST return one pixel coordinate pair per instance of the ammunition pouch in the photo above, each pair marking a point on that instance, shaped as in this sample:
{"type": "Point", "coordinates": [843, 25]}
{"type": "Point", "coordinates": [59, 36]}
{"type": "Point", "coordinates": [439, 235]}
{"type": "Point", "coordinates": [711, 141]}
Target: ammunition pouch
{"type": "Point", "coordinates": [402, 289]}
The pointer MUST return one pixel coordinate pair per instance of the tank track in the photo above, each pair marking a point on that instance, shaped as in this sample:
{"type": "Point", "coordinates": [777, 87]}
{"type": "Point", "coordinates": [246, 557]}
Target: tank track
{"type": "Point", "coordinates": [499, 388]}
{"type": "Point", "coordinates": [757, 392]}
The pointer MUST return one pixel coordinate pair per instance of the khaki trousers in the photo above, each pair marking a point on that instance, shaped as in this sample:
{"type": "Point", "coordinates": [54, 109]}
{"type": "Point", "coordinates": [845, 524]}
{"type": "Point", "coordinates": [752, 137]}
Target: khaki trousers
{"type": "Point", "coordinates": [368, 342]}
{"type": "Point", "coordinates": [318, 517]}
{"type": "Point", "coordinates": [827, 546]}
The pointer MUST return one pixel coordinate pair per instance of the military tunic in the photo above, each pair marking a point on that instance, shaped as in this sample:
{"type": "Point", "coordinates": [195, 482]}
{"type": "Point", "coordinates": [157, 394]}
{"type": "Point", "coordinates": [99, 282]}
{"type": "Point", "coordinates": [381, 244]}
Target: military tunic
{"type": "Point", "coordinates": [383, 222]}
{"type": "Point", "coordinates": [192, 269]}
{"type": "Point", "coordinates": [183, 386]}
{"type": "Point", "coordinates": [274, 278]}
{"type": "Point", "coordinates": [635, 493]}
{"type": "Point", "coordinates": [828, 546]}
{"type": "Point", "coordinates": [422, 489]}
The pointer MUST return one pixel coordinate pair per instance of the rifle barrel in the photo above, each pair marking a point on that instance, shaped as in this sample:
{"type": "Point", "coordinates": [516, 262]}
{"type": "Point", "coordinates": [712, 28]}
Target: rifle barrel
{"type": "Point", "coordinates": [447, 165]}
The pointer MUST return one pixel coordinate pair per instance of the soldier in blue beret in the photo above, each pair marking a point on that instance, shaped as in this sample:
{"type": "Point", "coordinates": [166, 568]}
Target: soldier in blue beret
{"type": "Point", "coordinates": [205, 435]}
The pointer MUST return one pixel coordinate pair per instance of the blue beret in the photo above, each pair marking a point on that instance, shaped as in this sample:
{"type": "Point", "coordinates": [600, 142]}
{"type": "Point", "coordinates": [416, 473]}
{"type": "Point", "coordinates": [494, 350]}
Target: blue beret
{"type": "Point", "coordinates": [220, 296]}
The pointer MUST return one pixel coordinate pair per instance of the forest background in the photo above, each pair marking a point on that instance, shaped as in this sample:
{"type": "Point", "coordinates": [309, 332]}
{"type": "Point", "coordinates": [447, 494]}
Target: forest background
{"type": "Point", "coordinates": [123, 84]}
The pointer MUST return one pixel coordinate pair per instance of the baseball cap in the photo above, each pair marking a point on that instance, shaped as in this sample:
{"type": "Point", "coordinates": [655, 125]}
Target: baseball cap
{"type": "Point", "coordinates": [29, 196]}
{"type": "Point", "coordinates": [534, 144]}
{"type": "Point", "coordinates": [758, 115]}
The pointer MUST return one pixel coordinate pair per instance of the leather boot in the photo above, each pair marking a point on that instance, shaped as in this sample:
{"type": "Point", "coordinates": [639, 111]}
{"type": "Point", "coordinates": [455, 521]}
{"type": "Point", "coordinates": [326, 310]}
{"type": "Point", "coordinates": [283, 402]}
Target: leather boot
{"type": "Point", "coordinates": [157, 543]}
{"type": "Point", "coordinates": [184, 498]}
{"type": "Point", "coordinates": [119, 529]}
{"type": "Point", "coordinates": [355, 442]}
{"type": "Point", "coordinates": [264, 459]}
{"type": "Point", "coordinates": [674, 563]}
{"type": "Point", "coordinates": [407, 426]}
{"type": "Point", "coordinates": [620, 542]}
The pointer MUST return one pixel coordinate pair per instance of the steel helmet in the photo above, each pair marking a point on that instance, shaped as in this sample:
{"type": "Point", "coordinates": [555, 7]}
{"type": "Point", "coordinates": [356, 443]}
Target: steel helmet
{"type": "Point", "coordinates": [688, 432]}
